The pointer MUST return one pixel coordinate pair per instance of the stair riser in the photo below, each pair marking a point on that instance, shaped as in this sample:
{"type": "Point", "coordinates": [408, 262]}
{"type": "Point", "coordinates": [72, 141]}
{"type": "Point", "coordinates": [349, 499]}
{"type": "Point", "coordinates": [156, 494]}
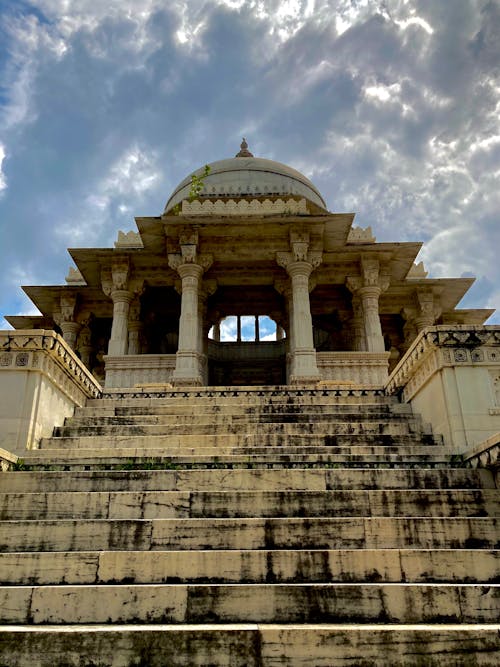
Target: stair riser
{"type": "Point", "coordinates": [227, 440]}
{"type": "Point", "coordinates": [245, 480]}
{"type": "Point", "coordinates": [154, 567]}
{"type": "Point", "coordinates": [179, 504]}
{"type": "Point", "coordinates": [356, 419]}
{"type": "Point", "coordinates": [301, 603]}
{"type": "Point", "coordinates": [297, 533]}
{"type": "Point", "coordinates": [205, 428]}
{"type": "Point", "coordinates": [250, 646]}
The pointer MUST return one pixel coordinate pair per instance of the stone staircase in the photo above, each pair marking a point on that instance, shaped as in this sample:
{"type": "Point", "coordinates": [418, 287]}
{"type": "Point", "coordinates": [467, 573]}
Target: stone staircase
{"type": "Point", "coordinates": [247, 526]}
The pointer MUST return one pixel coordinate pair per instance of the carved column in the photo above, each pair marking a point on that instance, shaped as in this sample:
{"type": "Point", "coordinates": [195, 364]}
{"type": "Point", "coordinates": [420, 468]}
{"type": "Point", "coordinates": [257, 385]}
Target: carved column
{"type": "Point", "coordinates": [216, 331]}
{"type": "Point", "coordinates": [190, 266]}
{"type": "Point", "coordinates": [135, 327]}
{"type": "Point", "coordinates": [116, 285]}
{"type": "Point", "coordinates": [358, 327]}
{"type": "Point", "coordinates": [84, 344]}
{"type": "Point", "coordinates": [368, 288]}
{"type": "Point", "coordinates": [299, 264]}
{"type": "Point", "coordinates": [427, 311]}
{"type": "Point", "coordinates": [66, 319]}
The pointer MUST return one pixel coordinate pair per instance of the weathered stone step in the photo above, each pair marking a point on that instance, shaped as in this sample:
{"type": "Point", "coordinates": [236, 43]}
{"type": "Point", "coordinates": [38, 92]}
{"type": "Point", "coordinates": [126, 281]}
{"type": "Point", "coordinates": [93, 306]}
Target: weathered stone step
{"type": "Point", "coordinates": [219, 440]}
{"type": "Point", "coordinates": [279, 533]}
{"type": "Point", "coordinates": [285, 566]}
{"type": "Point", "coordinates": [118, 456]}
{"type": "Point", "coordinates": [218, 504]}
{"type": "Point", "coordinates": [89, 427]}
{"type": "Point", "coordinates": [251, 645]}
{"type": "Point", "coordinates": [240, 479]}
{"type": "Point", "coordinates": [255, 603]}
{"type": "Point", "coordinates": [358, 420]}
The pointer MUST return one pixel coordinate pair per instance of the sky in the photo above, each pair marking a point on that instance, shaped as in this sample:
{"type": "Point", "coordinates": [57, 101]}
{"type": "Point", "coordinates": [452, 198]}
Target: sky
{"type": "Point", "coordinates": [391, 108]}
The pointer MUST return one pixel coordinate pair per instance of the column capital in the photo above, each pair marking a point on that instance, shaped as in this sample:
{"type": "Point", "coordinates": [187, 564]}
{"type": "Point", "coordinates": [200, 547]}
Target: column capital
{"type": "Point", "coordinates": [181, 262]}
{"type": "Point", "coordinates": [298, 267]}
{"type": "Point", "coordinates": [121, 296]}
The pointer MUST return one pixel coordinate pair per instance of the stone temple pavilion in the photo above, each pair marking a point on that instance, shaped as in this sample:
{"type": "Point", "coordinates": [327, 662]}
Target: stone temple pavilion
{"type": "Point", "coordinates": [254, 238]}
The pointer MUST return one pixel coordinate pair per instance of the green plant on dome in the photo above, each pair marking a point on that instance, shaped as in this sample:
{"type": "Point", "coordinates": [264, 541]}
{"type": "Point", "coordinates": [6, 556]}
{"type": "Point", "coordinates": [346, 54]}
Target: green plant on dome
{"type": "Point", "coordinates": [197, 184]}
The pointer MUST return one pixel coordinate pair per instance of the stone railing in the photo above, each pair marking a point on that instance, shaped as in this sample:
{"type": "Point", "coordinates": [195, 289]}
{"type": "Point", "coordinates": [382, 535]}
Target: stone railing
{"type": "Point", "coordinates": [133, 370]}
{"type": "Point", "coordinates": [451, 376]}
{"type": "Point", "coordinates": [41, 382]}
{"type": "Point", "coordinates": [366, 369]}
{"type": "Point", "coordinates": [485, 454]}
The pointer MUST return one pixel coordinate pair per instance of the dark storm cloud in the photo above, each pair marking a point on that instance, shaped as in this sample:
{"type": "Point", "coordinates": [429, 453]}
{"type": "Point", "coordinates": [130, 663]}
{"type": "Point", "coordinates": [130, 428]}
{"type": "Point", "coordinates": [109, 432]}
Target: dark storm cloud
{"type": "Point", "coordinates": [391, 108]}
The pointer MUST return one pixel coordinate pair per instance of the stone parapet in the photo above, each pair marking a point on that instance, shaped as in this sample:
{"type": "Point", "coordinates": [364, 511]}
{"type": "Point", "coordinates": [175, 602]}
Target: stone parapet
{"type": "Point", "coordinates": [364, 369]}
{"type": "Point", "coordinates": [139, 369]}
{"type": "Point", "coordinates": [451, 375]}
{"type": "Point", "coordinates": [41, 380]}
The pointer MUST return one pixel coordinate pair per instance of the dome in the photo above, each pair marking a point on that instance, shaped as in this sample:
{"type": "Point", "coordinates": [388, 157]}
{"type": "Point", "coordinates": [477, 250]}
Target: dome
{"type": "Point", "coordinates": [248, 176]}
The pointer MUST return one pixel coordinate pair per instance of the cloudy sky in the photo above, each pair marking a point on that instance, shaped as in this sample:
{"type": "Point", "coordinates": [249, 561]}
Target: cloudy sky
{"type": "Point", "coordinates": [390, 107]}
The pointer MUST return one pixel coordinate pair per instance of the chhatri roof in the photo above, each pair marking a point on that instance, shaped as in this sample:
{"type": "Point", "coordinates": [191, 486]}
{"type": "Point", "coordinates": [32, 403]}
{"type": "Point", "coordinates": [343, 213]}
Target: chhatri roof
{"type": "Point", "coordinates": [247, 176]}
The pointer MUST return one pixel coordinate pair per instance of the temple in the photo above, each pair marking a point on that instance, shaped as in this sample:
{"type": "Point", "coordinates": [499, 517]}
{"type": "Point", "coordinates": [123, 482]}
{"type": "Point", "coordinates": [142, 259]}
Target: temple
{"type": "Point", "coordinates": [246, 236]}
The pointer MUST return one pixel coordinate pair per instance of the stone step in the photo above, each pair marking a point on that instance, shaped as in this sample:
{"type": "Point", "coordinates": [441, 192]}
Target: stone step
{"type": "Point", "coordinates": [237, 408]}
{"type": "Point", "coordinates": [357, 420]}
{"type": "Point", "coordinates": [286, 566]}
{"type": "Point", "coordinates": [234, 504]}
{"type": "Point", "coordinates": [250, 533]}
{"type": "Point", "coordinates": [120, 457]}
{"type": "Point", "coordinates": [246, 480]}
{"type": "Point", "coordinates": [229, 440]}
{"type": "Point", "coordinates": [90, 427]}
{"type": "Point", "coordinates": [251, 645]}
{"type": "Point", "coordinates": [251, 603]}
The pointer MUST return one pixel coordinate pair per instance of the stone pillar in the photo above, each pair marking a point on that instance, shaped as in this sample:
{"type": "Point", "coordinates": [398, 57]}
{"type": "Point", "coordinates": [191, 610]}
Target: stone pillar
{"type": "Point", "coordinates": [117, 285]}
{"type": "Point", "coordinates": [238, 328]}
{"type": "Point", "coordinates": [216, 332]}
{"type": "Point", "coordinates": [299, 264]}
{"type": "Point", "coordinates": [257, 332]}
{"type": "Point", "coordinates": [135, 327]}
{"type": "Point", "coordinates": [118, 343]}
{"type": "Point", "coordinates": [65, 318]}
{"type": "Point", "coordinates": [70, 332]}
{"type": "Point", "coordinates": [84, 344]}
{"type": "Point", "coordinates": [190, 267]}
{"type": "Point", "coordinates": [367, 288]}
{"type": "Point", "coordinates": [280, 332]}
{"type": "Point", "coordinates": [427, 312]}
{"type": "Point", "coordinates": [357, 323]}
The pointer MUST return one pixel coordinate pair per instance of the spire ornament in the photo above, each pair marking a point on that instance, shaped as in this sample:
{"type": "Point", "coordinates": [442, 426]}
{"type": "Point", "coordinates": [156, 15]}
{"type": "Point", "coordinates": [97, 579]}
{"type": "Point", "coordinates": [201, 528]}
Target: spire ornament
{"type": "Point", "coordinates": [244, 152]}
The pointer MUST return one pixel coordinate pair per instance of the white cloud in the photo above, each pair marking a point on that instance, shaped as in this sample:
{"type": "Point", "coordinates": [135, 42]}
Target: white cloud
{"type": "Point", "coordinates": [3, 182]}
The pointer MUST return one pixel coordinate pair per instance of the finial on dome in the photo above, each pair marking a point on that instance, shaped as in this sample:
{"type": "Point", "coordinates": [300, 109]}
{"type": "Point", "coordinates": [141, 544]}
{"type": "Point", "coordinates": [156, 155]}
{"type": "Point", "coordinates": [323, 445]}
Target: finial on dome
{"type": "Point", "coordinates": [244, 152]}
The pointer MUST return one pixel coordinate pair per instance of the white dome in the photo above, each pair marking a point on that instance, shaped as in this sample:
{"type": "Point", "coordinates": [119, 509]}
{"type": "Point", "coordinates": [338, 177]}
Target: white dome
{"type": "Point", "coordinates": [248, 177]}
